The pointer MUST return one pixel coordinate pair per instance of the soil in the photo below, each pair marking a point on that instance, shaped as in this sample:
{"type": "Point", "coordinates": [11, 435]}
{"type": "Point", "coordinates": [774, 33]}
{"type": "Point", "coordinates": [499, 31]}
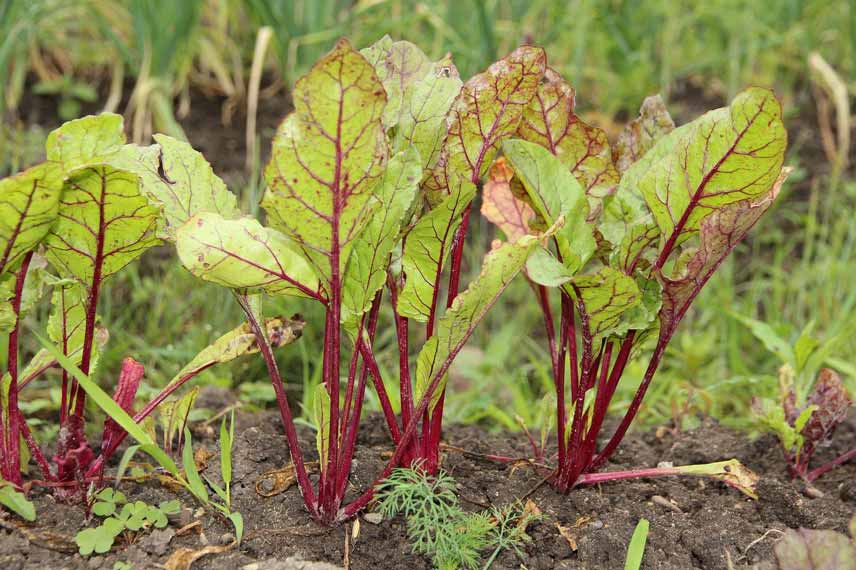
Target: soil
{"type": "Point", "coordinates": [695, 523]}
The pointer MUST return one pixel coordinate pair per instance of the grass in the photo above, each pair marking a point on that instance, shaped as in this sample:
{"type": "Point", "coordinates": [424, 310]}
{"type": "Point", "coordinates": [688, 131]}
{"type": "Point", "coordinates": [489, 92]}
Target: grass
{"type": "Point", "coordinates": [795, 269]}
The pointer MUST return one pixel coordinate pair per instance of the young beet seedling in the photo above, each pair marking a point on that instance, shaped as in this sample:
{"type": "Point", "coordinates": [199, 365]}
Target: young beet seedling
{"type": "Point", "coordinates": [70, 223]}
{"type": "Point", "coordinates": [647, 224]}
{"type": "Point", "coordinates": [802, 426]}
{"type": "Point", "coordinates": [370, 183]}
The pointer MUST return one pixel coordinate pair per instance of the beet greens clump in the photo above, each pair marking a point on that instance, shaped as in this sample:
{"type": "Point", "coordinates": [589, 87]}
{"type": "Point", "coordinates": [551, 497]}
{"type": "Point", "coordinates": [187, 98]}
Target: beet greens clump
{"type": "Point", "coordinates": [646, 225]}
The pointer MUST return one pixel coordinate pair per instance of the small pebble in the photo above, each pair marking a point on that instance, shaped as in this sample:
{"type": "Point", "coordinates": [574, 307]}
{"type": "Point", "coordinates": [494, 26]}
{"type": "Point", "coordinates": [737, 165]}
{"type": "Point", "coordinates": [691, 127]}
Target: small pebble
{"type": "Point", "coordinates": [227, 538]}
{"type": "Point", "coordinates": [596, 524]}
{"type": "Point", "coordinates": [374, 518]}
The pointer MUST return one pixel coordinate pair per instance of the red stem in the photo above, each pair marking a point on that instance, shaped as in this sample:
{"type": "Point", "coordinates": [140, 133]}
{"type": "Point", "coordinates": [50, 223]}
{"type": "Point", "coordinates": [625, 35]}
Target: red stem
{"type": "Point", "coordinates": [353, 423]}
{"type": "Point", "coordinates": [436, 427]}
{"type": "Point", "coordinates": [595, 478]}
{"type": "Point", "coordinates": [358, 504]}
{"type": "Point", "coordinates": [386, 406]}
{"type": "Point", "coordinates": [634, 406]}
{"type": "Point", "coordinates": [12, 436]}
{"type": "Point", "coordinates": [143, 414]}
{"type": "Point", "coordinates": [284, 409]}
{"type": "Point", "coordinates": [843, 458]}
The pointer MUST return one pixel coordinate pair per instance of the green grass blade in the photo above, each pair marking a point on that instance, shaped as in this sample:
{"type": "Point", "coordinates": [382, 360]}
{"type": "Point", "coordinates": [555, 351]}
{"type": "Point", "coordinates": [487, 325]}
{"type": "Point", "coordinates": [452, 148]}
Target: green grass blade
{"type": "Point", "coordinates": [111, 408]}
{"type": "Point", "coordinates": [637, 546]}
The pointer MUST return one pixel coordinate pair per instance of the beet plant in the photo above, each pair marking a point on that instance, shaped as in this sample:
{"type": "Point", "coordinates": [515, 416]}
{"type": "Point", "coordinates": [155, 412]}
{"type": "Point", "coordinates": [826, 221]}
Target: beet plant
{"type": "Point", "coordinates": [648, 221]}
{"type": "Point", "coordinates": [69, 224]}
{"type": "Point", "coordinates": [803, 423]}
{"type": "Point", "coordinates": [370, 188]}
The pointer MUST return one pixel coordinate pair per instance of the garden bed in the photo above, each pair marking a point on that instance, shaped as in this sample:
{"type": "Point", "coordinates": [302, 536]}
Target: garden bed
{"type": "Point", "coordinates": [695, 523]}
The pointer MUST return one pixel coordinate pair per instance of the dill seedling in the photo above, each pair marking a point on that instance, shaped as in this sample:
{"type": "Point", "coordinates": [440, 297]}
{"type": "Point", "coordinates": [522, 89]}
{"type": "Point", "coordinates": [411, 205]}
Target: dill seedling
{"type": "Point", "coordinates": [437, 527]}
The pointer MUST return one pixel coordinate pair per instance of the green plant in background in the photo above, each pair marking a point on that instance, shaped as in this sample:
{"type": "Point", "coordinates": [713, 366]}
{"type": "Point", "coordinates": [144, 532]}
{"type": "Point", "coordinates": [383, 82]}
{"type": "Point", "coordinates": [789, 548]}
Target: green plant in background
{"type": "Point", "coordinates": [159, 55]}
{"type": "Point", "coordinates": [120, 517]}
{"type": "Point", "coordinates": [804, 422]}
{"type": "Point", "coordinates": [437, 527]}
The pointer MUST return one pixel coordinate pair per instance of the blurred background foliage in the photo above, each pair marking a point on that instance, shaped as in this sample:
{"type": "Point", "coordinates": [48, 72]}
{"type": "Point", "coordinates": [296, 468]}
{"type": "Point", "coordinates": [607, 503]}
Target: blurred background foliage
{"type": "Point", "coordinates": [201, 68]}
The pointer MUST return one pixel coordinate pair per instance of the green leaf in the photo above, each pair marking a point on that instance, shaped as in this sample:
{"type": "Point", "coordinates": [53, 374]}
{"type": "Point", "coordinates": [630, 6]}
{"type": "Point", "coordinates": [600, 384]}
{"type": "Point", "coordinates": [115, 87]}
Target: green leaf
{"type": "Point", "coordinates": [172, 507]}
{"type": "Point", "coordinates": [550, 122]}
{"type": "Point", "coordinates": [603, 298]}
{"type": "Point", "coordinates": [16, 502]}
{"type": "Point", "coordinates": [241, 341]}
{"type": "Point", "coordinates": [227, 437]}
{"type": "Point", "coordinates": [177, 177]}
{"type": "Point", "coordinates": [399, 66]}
{"type": "Point", "coordinates": [771, 417]}
{"type": "Point", "coordinates": [726, 156]}
{"type": "Point", "coordinates": [487, 110]}
{"type": "Point", "coordinates": [103, 400]}
{"type": "Point", "coordinates": [425, 105]}
{"type": "Point", "coordinates": [771, 340]}
{"type": "Point", "coordinates": [554, 194]}
{"type": "Point", "coordinates": [321, 417]}
{"type": "Point", "coordinates": [458, 323]}
{"type": "Point", "coordinates": [125, 461]}
{"type": "Point", "coordinates": [243, 254]}
{"type": "Point", "coordinates": [425, 251]}
{"type": "Point", "coordinates": [642, 133]}
{"type": "Point", "coordinates": [238, 523]}
{"type": "Point", "coordinates": [544, 269]}
{"type": "Point", "coordinates": [29, 206]}
{"type": "Point", "coordinates": [104, 224]}
{"type": "Point", "coordinates": [194, 481]}
{"type": "Point", "coordinates": [720, 234]}
{"type": "Point", "coordinates": [67, 323]}
{"type": "Point", "coordinates": [327, 157]}
{"type": "Point", "coordinates": [815, 549]}
{"type": "Point", "coordinates": [636, 548]}
{"type": "Point", "coordinates": [173, 415]}
{"type": "Point", "coordinates": [366, 271]}
{"type": "Point", "coordinates": [82, 141]}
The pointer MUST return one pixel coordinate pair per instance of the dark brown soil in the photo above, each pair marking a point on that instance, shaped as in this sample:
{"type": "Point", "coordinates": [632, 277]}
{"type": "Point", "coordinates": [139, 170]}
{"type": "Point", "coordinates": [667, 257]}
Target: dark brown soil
{"type": "Point", "coordinates": [707, 525]}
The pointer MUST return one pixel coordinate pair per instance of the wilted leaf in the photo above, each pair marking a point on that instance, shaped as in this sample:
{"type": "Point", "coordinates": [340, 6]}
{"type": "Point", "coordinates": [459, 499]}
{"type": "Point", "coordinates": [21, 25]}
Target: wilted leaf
{"type": "Point", "coordinates": [327, 157]}
{"type": "Point", "coordinates": [500, 206]}
{"type": "Point", "coordinates": [29, 205]}
{"type": "Point", "coordinates": [183, 558]}
{"type": "Point", "coordinates": [831, 403]}
{"type": "Point", "coordinates": [816, 550]}
{"type": "Point", "coordinates": [487, 110]}
{"type": "Point", "coordinates": [366, 271]}
{"type": "Point", "coordinates": [458, 323]}
{"type": "Point", "coordinates": [730, 472]}
{"type": "Point", "coordinates": [554, 194]}
{"type": "Point", "coordinates": [642, 133]}
{"type": "Point", "coordinates": [425, 251]}
{"type": "Point", "coordinates": [240, 341]}
{"type": "Point", "coordinates": [242, 254]}
{"type": "Point", "coordinates": [550, 122]}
